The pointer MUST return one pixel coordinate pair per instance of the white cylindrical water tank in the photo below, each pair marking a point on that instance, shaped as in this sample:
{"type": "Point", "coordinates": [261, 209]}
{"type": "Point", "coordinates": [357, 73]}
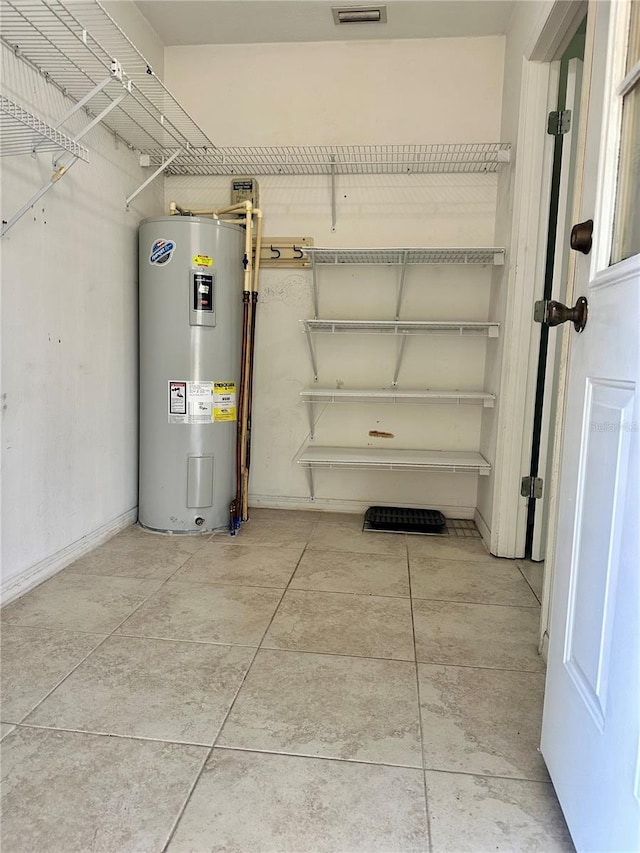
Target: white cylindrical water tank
{"type": "Point", "coordinates": [191, 276]}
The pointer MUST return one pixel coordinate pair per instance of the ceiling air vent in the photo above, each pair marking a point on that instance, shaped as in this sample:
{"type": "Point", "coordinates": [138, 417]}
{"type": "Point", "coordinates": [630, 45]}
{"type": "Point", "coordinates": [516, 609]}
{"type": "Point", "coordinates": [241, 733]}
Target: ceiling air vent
{"type": "Point", "coordinates": [359, 14]}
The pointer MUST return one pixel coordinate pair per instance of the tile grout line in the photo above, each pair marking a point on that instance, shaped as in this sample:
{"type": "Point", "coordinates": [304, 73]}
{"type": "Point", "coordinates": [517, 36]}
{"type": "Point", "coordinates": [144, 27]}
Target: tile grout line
{"type": "Point", "coordinates": [181, 812]}
{"type": "Point", "coordinates": [256, 586]}
{"type": "Point", "coordinates": [116, 735]}
{"type": "Point", "coordinates": [259, 646]}
{"type": "Point", "coordinates": [62, 680]}
{"type": "Point", "coordinates": [210, 749]}
{"type": "Point", "coordinates": [478, 603]}
{"type": "Point", "coordinates": [262, 751]}
{"type": "Point", "coordinates": [174, 639]}
{"type": "Point", "coordinates": [188, 796]}
{"type": "Point", "coordinates": [99, 645]}
{"type": "Point", "coordinates": [361, 761]}
{"type": "Point", "coordinates": [526, 580]}
{"type": "Point", "coordinates": [420, 725]}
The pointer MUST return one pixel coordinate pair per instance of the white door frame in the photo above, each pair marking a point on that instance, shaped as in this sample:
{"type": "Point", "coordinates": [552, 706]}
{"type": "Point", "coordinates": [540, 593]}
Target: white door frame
{"type": "Point", "coordinates": [557, 290]}
{"type": "Point", "coordinates": [534, 158]}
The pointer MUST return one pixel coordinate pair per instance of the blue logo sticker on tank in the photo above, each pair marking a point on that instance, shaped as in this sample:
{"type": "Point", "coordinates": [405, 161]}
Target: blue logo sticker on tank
{"type": "Point", "coordinates": [161, 252]}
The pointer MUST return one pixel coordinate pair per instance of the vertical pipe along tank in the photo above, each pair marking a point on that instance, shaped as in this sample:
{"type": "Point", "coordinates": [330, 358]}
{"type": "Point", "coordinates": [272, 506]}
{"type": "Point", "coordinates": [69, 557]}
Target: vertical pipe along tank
{"type": "Point", "coordinates": [191, 277]}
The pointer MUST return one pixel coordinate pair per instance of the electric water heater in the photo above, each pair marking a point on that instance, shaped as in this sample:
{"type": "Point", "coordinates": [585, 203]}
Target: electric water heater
{"type": "Point", "coordinates": [191, 279]}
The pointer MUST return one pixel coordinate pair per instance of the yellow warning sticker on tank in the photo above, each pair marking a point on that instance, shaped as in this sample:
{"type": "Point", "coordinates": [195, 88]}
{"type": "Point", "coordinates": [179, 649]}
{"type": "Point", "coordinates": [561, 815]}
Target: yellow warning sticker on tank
{"type": "Point", "coordinates": [202, 261]}
{"type": "Point", "coordinates": [224, 401]}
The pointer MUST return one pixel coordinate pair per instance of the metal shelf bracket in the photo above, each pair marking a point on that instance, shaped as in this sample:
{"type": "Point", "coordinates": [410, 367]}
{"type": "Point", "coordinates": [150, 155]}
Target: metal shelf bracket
{"type": "Point", "coordinates": [403, 272]}
{"type": "Point", "coordinates": [401, 347]}
{"type": "Point", "coordinates": [334, 213]}
{"type": "Point", "coordinates": [312, 352]}
{"type": "Point", "coordinates": [314, 289]}
{"type": "Point", "coordinates": [152, 177]}
{"type": "Point", "coordinates": [60, 168]}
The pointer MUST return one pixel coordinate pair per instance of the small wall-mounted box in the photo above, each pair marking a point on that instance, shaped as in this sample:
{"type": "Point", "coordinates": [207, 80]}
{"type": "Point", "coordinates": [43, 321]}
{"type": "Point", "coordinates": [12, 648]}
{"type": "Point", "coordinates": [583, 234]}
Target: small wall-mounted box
{"type": "Point", "coordinates": [245, 188]}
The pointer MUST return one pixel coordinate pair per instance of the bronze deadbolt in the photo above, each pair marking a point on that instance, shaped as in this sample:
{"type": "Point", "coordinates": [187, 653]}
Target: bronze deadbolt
{"type": "Point", "coordinates": [558, 313]}
{"type": "Point", "coordinates": [582, 237]}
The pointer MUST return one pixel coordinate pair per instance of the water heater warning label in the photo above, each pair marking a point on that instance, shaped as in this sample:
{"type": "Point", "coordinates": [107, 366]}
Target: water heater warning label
{"type": "Point", "coordinates": [177, 398]}
{"type": "Point", "coordinates": [224, 401]}
{"type": "Point", "coordinates": [201, 402]}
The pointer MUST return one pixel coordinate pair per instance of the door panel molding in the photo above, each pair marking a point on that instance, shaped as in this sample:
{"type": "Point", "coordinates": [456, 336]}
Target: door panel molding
{"type": "Point", "coordinates": [592, 594]}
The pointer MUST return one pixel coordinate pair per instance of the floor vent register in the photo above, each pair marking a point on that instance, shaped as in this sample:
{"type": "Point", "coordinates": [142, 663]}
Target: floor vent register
{"type": "Point", "coordinates": [405, 520]}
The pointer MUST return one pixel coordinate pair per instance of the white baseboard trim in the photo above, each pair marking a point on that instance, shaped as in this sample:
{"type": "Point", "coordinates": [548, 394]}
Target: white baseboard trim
{"type": "Point", "coordinates": [483, 527]}
{"type": "Point", "coordinates": [19, 584]}
{"type": "Point", "coordinates": [337, 505]}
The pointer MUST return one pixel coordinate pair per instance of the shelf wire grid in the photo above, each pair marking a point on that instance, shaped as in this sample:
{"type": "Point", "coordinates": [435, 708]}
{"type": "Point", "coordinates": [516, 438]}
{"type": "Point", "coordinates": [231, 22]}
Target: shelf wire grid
{"type": "Point", "coordinates": [393, 460]}
{"type": "Point", "coordinates": [343, 159]}
{"type": "Point", "coordinates": [21, 132]}
{"type": "Point", "coordinates": [410, 255]}
{"type": "Point", "coordinates": [393, 395]}
{"type": "Point", "coordinates": [72, 45]}
{"type": "Point", "coordinates": [402, 327]}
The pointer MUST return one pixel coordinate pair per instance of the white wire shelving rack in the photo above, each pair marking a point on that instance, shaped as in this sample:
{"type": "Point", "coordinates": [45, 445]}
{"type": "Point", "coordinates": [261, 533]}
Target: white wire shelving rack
{"type": "Point", "coordinates": [21, 132]}
{"type": "Point", "coordinates": [78, 48]}
{"type": "Point", "coordinates": [73, 45]}
{"type": "Point", "coordinates": [401, 329]}
{"type": "Point", "coordinates": [345, 159]}
{"type": "Point", "coordinates": [336, 160]}
{"type": "Point", "coordinates": [322, 397]}
{"type": "Point", "coordinates": [401, 257]}
{"type": "Point", "coordinates": [404, 327]}
{"type": "Point", "coordinates": [375, 458]}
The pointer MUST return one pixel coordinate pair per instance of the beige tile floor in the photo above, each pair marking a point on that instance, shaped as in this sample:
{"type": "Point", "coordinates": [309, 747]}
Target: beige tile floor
{"type": "Point", "coordinates": [304, 687]}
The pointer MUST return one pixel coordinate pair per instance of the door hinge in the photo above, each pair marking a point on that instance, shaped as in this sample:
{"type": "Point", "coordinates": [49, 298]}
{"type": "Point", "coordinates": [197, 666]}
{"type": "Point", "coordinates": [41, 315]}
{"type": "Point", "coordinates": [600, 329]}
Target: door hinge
{"type": "Point", "coordinates": [540, 311]}
{"type": "Point", "coordinates": [531, 487]}
{"type": "Point", "coordinates": [559, 122]}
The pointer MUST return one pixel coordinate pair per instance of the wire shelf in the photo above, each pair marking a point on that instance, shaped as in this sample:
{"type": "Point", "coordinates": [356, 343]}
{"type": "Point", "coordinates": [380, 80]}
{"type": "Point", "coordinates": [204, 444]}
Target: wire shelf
{"type": "Point", "coordinates": [463, 462]}
{"type": "Point", "coordinates": [21, 133]}
{"type": "Point", "coordinates": [393, 395]}
{"type": "Point", "coordinates": [402, 327]}
{"type": "Point", "coordinates": [73, 45]}
{"type": "Point", "coordinates": [409, 255]}
{"type": "Point", "coordinates": [343, 159]}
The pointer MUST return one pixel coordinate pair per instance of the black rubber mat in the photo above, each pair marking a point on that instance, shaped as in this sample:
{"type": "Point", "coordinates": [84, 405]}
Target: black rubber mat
{"type": "Point", "coordinates": [405, 520]}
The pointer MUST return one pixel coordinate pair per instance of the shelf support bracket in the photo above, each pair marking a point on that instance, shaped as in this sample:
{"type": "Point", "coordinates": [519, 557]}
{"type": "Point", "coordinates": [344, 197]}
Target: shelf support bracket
{"type": "Point", "coordinates": [312, 493]}
{"type": "Point", "coordinates": [334, 214]}
{"type": "Point", "coordinates": [79, 105]}
{"type": "Point", "coordinates": [403, 273]}
{"type": "Point", "coordinates": [97, 119]}
{"type": "Point", "coordinates": [152, 177]}
{"type": "Point", "coordinates": [312, 419]}
{"type": "Point", "coordinates": [62, 169]}
{"type": "Point", "coordinates": [403, 343]}
{"type": "Point", "coordinates": [314, 288]}
{"type": "Point", "coordinates": [314, 416]}
{"type": "Point", "coordinates": [312, 353]}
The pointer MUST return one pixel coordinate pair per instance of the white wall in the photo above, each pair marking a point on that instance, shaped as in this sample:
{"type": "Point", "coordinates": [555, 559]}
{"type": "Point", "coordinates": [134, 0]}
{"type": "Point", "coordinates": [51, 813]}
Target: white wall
{"type": "Point", "coordinates": [523, 23]}
{"type": "Point", "coordinates": [69, 345]}
{"type": "Point", "coordinates": [439, 90]}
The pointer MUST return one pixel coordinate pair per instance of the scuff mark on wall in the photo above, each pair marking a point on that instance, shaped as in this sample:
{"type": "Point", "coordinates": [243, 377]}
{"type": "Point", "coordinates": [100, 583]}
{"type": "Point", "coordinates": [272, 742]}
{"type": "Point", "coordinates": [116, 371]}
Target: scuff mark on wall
{"type": "Point", "coordinates": [294, 289]}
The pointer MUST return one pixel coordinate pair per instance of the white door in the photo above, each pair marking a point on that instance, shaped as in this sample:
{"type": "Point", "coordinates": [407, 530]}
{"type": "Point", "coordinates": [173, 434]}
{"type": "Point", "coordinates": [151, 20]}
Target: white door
{"type": "Point", "coordinates": [558, 292]}
{"type": "Point", "coordinates": [591, 725]}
